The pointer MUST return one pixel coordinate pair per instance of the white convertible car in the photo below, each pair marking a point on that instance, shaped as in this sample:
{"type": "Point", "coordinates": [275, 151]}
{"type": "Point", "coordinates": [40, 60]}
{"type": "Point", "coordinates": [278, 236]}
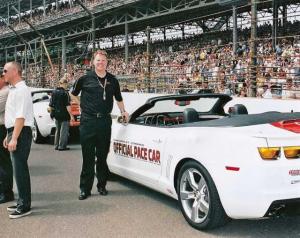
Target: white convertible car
{"type": "Point", "coordinates": [218, 165]}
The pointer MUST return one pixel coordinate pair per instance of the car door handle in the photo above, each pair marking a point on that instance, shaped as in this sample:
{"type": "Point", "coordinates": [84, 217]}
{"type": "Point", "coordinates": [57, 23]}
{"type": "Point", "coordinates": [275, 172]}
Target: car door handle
{"type": "Point", "coordinates": [157, 141]}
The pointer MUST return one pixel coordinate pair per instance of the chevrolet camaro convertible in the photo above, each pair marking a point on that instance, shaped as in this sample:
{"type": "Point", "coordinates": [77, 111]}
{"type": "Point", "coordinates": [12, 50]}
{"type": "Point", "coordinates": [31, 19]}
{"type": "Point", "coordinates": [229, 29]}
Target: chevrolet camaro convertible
{"type": "Point", "coordinates": [219, 165]}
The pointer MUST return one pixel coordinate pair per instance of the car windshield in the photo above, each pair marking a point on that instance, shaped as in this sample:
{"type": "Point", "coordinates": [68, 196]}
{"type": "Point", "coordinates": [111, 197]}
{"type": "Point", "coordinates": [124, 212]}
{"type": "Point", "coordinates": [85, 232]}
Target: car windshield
{"type": "Point", "coordinates": [201, 105]}
{"type": "Point", "coordinates": [40, 96]}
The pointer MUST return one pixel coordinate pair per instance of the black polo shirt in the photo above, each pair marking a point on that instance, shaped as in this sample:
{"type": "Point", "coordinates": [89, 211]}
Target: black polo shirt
{"type": "Point", "coordinates": [60, 99]}
{"type": "Point", "coordinates": [91, 98]}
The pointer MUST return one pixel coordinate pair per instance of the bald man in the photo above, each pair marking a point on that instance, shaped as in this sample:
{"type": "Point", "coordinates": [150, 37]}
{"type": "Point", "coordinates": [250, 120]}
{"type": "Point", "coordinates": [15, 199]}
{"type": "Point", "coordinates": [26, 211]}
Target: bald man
{"type": "Point", "coordinates": [18, 121]}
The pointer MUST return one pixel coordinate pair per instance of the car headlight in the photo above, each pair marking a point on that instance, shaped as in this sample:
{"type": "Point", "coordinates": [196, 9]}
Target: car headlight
{"type": "Point", "coordinates": [292, 152]}
{"type": "Point", "coordinates": [269, 153]}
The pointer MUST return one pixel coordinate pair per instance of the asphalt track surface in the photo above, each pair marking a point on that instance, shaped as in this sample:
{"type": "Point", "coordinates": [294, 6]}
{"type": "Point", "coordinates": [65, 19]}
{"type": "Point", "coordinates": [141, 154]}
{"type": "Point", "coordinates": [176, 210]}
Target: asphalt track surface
{"type": "Point", "coordinates": [130, 210]}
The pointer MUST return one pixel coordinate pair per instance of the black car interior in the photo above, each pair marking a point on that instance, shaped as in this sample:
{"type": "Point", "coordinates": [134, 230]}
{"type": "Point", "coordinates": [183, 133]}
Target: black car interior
{"type": "Point", "coordinates": [144, 116]}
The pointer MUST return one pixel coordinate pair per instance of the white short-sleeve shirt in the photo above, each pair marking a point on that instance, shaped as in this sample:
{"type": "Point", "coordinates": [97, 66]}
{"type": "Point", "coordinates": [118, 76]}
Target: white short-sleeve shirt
{"type": "Point", "coordinates": [19, 105]}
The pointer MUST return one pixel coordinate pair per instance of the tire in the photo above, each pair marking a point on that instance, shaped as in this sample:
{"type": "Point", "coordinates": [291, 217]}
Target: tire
{"type": "Point", "coordinates": [36, 135]}
{"type": "Point", "coordinates": [196, 188]}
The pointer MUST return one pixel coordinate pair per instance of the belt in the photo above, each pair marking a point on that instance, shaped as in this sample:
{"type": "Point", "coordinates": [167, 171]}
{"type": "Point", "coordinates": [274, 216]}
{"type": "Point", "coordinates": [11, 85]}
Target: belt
{"type": "Point", "coordinates": [11, 129]}
{"type": "Point", "coordinates": [101, 115]}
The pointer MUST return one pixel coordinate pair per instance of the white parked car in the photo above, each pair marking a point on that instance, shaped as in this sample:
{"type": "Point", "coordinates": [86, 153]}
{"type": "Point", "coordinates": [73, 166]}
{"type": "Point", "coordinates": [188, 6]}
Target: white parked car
{"type": "Point", "coordinates": [44, 126]}
{"type": "Point", "coordinates": [218, 165]}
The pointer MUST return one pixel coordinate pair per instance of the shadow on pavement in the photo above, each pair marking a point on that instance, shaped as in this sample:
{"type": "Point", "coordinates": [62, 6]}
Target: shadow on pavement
{"type": "Point", "coordinates": [71, 208]}
{"type": "Point", "coordinates": [142, 190]}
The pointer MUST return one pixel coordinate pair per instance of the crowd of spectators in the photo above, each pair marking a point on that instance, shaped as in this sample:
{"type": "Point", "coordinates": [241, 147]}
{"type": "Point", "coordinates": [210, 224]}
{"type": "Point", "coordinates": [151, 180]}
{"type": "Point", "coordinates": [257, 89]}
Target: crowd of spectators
{"type": "Point", "coordinates": [52, 12]}
{"type": "Point", "coordinates": [188, 64]}
{"type": "Point", "coordinates": [187, 68]}
{"type": "Point", "coordinates": [204, 61]}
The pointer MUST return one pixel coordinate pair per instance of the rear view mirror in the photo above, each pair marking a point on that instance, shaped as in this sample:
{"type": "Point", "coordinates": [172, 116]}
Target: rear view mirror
{"type": "Point", "coordinates": [182, 103]}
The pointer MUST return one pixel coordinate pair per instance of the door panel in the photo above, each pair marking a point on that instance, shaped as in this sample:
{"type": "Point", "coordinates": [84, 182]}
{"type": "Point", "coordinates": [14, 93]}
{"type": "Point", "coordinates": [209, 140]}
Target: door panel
{"type": "Point", "coordinates": [138, 149]}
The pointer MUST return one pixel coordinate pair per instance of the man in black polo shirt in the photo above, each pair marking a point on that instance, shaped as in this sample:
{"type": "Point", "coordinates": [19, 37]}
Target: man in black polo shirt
{"type": "Point", "coordinates": [98, 89]}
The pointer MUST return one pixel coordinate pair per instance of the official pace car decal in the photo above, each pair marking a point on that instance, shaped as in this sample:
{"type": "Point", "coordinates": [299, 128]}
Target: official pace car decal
{"type": "Point", "coordinates": [136, 151]}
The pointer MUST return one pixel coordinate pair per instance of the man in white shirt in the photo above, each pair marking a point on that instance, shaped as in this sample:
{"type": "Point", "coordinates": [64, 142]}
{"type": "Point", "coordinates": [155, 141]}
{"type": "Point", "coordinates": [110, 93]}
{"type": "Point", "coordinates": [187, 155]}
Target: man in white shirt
{"type": "Point", "coordinates": [18, 121]}
{"type": "Point", "coordinates": [6, 171]}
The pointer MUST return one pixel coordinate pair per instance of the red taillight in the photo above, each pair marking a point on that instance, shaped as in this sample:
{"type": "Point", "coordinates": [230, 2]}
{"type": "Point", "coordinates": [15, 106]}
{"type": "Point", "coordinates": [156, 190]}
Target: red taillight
{"type": "Point", "coordinates": [290, 125]}
{"type": "Point", "coordinates": [75, 109]}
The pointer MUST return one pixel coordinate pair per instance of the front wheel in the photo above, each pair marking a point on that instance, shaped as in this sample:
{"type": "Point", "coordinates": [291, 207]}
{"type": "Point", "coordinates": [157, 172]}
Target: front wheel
{"type": "Point", "coordinates": [198, 197]}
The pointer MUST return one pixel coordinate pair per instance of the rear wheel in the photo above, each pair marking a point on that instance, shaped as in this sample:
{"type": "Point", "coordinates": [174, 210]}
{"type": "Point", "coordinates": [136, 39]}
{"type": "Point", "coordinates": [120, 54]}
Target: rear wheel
{"type": "Point", "coordinates": [36, 135]}
{"type": "Point", "coordinates": [198, 197]}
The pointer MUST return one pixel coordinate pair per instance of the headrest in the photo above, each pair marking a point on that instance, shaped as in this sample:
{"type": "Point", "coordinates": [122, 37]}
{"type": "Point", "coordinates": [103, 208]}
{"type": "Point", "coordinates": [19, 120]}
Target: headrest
{"type": "Point", "coordinates": [190, 115]}
{"type": "Point", "coordinates": [238, 109]}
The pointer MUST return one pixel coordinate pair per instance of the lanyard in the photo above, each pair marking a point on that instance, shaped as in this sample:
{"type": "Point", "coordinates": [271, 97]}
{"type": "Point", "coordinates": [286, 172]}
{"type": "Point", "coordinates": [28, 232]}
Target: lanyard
{"type": "Point", "coordinates": [103, 86]}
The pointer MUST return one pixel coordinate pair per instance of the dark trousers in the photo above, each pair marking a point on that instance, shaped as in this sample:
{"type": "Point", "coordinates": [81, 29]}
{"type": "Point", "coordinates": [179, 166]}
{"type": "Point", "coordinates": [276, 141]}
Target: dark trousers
{"type": "Point", "coordinates": [95, 141]}
{"type": "Point", "coordinates": [6, 170]}
{"type": "Point", "coordinates": [21, 171]}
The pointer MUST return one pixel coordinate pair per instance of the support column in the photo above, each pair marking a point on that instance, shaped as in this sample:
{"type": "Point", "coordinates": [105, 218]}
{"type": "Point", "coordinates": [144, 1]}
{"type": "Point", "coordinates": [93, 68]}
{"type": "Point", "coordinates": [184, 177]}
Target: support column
{"type": "Point", "coordinates": [15, 53]}
{"type": "Point", "coordinates": [26, 66]}
{"type": "Point", "coordinates": [44, 8]}
{"type": "Point", "coordinates": [182, 30]}
{"type": "Point", "coordinates": [63, 54]}
{"type": "Point", "coordinates": [234, 29]}
{"type": "Point", "coordinates": [227, 23]}
{"type": "Point", "coordinates": [42, 72]}
{"type": "Point", "coordinates": [164, 33]}
{"type": "Point", "coordinates": [275, 23]}
{"type": "Point", "coordinates": [93, 33]}
{"type": "Point", "coordinates": [60, 67]}
{"type": "Point", "coordinates": [30, 9]}
{"type": "Point", "coordinates": [253, 49]}
{"type": "Point", "coordinates": [19, 8]}
{"type": "Point", "coordinates": [284, 16]}
{"type": "Point", "coordinates": [6, 56]}
{"type": "Point", "coordinates": [57, 5]}
{"type": "Point", "coordinates": [148, 83]}
{"type": "Point", "coordinates": [126, 42]}
{"type": "Point", "coordinates": [8, 14]}
{"type": "Point", "coordinates": [112, 42]}
{"type": "Point", "coordinates": [36, 56]}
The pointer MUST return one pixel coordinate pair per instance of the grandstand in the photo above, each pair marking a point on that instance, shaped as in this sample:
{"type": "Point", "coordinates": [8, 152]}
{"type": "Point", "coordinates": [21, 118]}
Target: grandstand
{"type": "Point", "coordinates": [164, 46]}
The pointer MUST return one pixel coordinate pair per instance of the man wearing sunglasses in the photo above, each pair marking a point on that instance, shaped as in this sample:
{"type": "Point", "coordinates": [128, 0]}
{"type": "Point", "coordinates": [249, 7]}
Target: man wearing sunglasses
{"type": "Point", "coordinates": [18, 121]}
{"type": "Point", "coordinates": [6, 172]}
